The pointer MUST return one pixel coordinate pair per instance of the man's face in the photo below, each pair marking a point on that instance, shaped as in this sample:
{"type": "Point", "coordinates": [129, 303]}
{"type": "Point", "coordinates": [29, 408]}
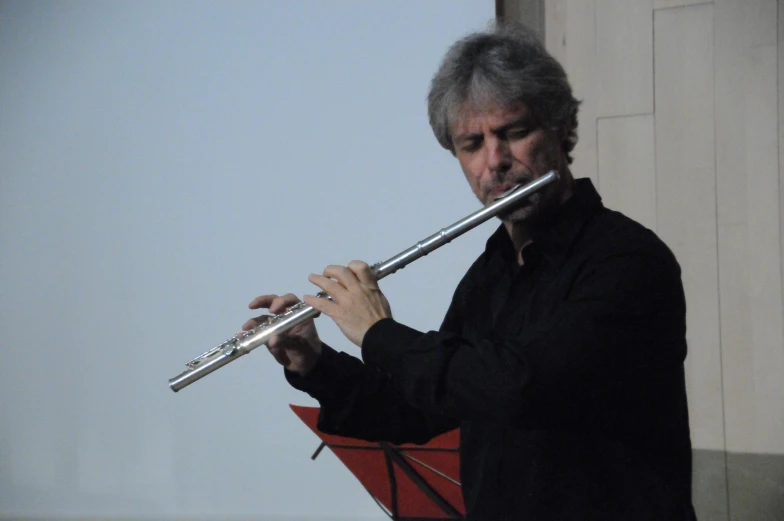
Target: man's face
{"type": "Point", "coordinates": [502, 147]}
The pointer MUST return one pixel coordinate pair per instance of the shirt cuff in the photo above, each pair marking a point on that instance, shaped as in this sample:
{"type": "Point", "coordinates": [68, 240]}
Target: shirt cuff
{"type": "Point", "coordinates": [385, 344]}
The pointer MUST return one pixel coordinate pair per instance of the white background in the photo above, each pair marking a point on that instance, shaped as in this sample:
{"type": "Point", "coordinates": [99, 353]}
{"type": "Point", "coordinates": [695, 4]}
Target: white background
{"type": "Point", "coordinates": [161, 164]}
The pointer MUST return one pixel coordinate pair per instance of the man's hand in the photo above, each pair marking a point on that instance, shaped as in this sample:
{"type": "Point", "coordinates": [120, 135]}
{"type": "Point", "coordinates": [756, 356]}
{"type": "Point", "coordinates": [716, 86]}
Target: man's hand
{"type": "Point", "coordinates": [357, 302]}
{"type": "Point", "coordinates": [299, 348]}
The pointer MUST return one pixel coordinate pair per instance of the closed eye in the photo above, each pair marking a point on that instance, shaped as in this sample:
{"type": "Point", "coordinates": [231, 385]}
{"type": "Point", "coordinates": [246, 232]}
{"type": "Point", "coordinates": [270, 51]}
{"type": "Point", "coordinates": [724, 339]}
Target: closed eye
{"type": "Point", "coordinates": [517, 133]}
{"type": "Point", "coordinates": [471, 145]}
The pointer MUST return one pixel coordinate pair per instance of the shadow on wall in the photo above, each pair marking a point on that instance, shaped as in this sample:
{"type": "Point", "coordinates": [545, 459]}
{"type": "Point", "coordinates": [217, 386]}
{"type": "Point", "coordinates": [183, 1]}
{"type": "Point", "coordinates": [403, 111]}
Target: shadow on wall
{"type": "Point", "coordinates": [755, 483]}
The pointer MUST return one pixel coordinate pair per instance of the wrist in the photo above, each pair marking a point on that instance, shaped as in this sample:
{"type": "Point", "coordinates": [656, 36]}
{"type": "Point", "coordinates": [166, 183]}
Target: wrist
{"type": "Point", "coordinates": [308, 361]}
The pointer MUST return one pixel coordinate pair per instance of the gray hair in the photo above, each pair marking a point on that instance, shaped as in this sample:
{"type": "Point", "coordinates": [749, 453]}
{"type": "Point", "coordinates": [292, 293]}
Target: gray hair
{"type": "Point", "coordinates": [501, 67]}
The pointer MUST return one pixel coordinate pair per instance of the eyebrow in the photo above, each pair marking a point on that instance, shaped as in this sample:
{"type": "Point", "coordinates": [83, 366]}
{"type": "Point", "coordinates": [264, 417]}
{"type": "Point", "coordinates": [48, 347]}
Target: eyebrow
{"type": "Point", "coordinates": [523, 121]}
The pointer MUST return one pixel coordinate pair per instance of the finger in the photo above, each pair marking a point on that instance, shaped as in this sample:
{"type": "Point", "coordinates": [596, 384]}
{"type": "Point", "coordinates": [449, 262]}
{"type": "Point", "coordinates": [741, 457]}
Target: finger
{"type": "Point", "coordinates": [342, 274]}
{"type": "Point", "coordinates": [262, 301]}
{"type": "Point", "coordinates": [280, 304]}
{"type": "Point", "coordinates": [321, 304]}
{"type": "Point", "coordinates": [333, 288]}
{"type": "Point", "coordinates": [363, 273]}
{"type": "Point", "coordinates": [255, 322]}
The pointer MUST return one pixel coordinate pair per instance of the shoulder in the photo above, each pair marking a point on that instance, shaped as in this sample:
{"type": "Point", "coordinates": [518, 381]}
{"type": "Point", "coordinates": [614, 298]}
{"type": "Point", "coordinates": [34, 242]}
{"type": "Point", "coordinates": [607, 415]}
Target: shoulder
{"type": "Point", "coordinates": [611, 233]}
{"type": "Point", "coordinates": [616, 255]}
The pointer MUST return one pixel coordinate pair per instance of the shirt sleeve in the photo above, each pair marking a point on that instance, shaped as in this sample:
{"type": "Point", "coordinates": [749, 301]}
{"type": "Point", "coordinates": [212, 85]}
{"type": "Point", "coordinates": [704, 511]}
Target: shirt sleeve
{"type": "Point", "coordinates": [362, 402]}
{"type": "Point", "coordinates": [623, 318]}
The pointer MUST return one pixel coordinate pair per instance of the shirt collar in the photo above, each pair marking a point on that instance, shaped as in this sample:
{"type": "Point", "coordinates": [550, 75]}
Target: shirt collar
{"type": "Point", "coordinates": [555, 236]}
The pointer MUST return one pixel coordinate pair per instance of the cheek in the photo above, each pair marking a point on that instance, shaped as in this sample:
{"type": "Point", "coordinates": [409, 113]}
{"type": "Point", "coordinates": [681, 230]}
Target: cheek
{"type": "Point", "coordinates": [524, 151]}
{"type": "Point", "coordinates": [472, 167]}
{"type": "Point", "coordinates": [551, 150]}
{"type": "Point", "coordinates": [534, 152]}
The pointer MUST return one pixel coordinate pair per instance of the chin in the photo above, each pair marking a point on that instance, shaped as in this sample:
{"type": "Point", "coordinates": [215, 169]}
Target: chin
{"type": "Point", "coordinates": [518, 215]}
{"type": "Point", "coordinates": [528, 209]}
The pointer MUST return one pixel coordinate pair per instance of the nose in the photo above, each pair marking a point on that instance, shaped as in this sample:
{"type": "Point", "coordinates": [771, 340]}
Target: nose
{"type": "Point", "coordinates": [499, 158]}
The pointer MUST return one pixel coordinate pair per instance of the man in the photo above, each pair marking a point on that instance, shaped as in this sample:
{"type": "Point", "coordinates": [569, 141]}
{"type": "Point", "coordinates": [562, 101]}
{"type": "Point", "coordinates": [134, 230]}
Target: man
{"type": "Point", "coordinates": [561, 354]}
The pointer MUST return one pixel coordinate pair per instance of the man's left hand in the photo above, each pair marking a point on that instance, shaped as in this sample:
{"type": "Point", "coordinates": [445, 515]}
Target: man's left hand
{"type": "Point", "coordinates": [357, 302]}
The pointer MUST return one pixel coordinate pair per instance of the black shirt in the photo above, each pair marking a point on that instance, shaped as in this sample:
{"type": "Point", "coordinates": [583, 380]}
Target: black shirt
{"type": "Point", "coordinates": [565, 375]}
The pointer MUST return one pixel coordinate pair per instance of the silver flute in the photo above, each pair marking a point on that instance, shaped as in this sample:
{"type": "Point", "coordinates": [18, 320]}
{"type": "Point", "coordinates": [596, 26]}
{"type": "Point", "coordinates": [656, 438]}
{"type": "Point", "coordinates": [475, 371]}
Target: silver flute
{"type": "Point", "coordinates": [247, 341]}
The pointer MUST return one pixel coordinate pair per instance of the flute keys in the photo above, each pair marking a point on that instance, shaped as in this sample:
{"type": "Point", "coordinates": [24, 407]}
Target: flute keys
{"type": "Point", "coordinates": [203, 357]}
{"type": "Point", "coordinates": [229, 347]}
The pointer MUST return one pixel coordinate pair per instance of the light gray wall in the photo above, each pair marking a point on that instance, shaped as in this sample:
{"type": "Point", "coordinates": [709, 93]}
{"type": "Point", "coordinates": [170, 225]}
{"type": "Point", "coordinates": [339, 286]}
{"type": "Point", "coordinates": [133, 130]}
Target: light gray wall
{"type": "Point", "coordinates": [161, 164]}
{"type": "Point", "coordinates": [680, 128]}
{"type": "Point", "coordinates": [528, 12]}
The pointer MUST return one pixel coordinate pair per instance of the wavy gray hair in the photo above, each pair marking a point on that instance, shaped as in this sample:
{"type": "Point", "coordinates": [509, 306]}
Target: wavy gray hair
{"type": "Point", "coordinates": [503, 66]}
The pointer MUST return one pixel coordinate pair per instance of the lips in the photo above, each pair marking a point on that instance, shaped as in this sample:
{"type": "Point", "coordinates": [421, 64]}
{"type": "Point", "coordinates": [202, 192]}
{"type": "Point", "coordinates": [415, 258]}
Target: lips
{"type": "Point", "coordinates": [495, 192]}
{"type": "Point", "coordinates": [504, 188]}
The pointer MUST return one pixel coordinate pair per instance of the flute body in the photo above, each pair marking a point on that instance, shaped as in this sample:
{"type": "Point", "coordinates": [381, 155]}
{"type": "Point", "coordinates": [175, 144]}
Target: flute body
{"type": "Point", "coordinates": [247, 341]}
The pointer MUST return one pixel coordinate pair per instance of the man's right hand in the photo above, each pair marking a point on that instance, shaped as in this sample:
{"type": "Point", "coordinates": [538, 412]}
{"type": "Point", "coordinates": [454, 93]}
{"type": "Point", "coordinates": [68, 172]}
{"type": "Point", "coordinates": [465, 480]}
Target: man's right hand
{"type": "Point", "coordinates": [299, 348]}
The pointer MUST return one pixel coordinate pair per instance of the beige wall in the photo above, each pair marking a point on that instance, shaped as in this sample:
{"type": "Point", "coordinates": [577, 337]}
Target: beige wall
{"type": "Point", "coordinates": [680, 128]}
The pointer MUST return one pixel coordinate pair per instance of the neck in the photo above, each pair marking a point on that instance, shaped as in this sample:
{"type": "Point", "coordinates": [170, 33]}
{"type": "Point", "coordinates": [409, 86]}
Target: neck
{"type": "Point", "coordinates": [521, 232]}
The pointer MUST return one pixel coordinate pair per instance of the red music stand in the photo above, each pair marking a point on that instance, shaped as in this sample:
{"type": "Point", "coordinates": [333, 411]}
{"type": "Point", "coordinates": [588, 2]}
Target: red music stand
{"type": "Point", "coordinates": [409, 482]}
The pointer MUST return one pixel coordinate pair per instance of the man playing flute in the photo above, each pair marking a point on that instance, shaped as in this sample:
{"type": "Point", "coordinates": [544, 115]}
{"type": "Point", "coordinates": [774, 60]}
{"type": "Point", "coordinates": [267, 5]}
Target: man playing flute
{"type": "Point", "coordinates": [561, 355]}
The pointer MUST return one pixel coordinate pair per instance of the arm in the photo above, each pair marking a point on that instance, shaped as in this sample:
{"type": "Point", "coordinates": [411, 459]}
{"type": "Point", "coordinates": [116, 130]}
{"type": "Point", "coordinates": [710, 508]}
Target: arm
{"type": "Point", "coordinates": [356, 400]}
{"type": "Point", "coordinates": [621, 320]}
{"type": "Point", "coordinates": [359, 401]}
